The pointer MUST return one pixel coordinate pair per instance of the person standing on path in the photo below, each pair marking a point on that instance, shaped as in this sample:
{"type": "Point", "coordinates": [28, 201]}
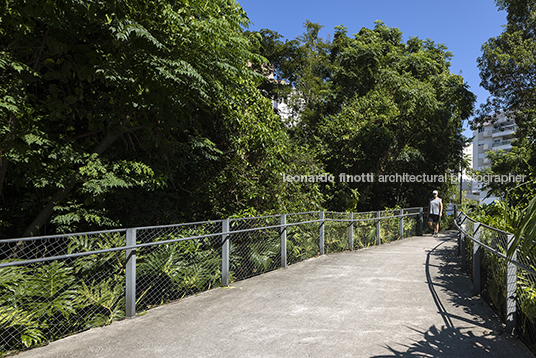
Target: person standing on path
{"type": "Point", "coordinates": [435, 210]}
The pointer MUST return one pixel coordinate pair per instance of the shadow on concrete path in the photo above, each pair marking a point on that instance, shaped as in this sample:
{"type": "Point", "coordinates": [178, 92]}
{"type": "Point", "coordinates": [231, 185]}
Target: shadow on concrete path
{"type": "Point", "coordinates": [450, 340]}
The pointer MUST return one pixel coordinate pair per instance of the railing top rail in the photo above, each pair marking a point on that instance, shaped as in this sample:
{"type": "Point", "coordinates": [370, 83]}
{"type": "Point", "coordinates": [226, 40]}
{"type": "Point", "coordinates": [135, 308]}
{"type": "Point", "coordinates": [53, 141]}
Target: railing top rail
{"type": "Point", "coordinates": [123, 230]}
{"type": "Point", "coordinates": [373, 211]}
{"type": "Point", "coordinates": [104, 231]}
{"type": "Point", "coordinates": [148, 244]}
{"type": "Point", "coordinates": [31, 238]}
{"type": "Point", "coordinates": [255, 217]}
{"type": "Point", "coordinates": [373, 218]}
{"type": "Point", "coordinates": [177, 225]}
{"type": "Point", "coordinates": [495, 252]}
{"type": "Point", "coordinates": [484, 225]}
{"type": "Point", "coordinates": [303, 213]}
{"type": "Point", "coordinates": [365, 212]}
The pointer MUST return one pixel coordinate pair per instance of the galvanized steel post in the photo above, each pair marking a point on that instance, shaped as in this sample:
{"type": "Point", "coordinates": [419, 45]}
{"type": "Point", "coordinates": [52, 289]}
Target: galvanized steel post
{"type": "Point", "coordinates": [401, 224]}
{"type": "Point", "coordinates": [511, 286]}
{"type": "Point", "coordinates": [477, 252]}
{"type": "Point", "coordinates": [225, 253]}
{"type": "Point", "coordinates": [421, 220]}
{"type": "Point", "coordinates": [351, 233]}
{"type": "Point", "coordinates": [459, 249]}
{"type": "Point", "coordinates": [455, 221]}
{"type": "Point", "coordinates": [321, 241]}
{"type": "Point", "coordinates": [378, 228]}
{"type": "Point", "coordinates": [130, 275]}
{"type": "Point", "coordinates": [463, 251]}
{"type": "Point", "coordinates": [283, 234]}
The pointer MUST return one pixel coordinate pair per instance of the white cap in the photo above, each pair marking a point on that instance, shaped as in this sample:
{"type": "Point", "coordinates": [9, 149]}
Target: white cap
{"type": "Point", "coordinates": [435, 192]}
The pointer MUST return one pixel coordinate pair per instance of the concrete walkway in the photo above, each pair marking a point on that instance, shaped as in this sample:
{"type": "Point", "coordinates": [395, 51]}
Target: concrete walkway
{"type": "Point", "coordinates": [404, 299]}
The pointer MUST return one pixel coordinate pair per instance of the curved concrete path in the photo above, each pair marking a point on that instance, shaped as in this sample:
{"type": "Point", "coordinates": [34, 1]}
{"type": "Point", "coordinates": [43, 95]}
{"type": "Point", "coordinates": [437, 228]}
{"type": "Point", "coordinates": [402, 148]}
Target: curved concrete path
{"type": "Point", "coordinates": [404, 299]}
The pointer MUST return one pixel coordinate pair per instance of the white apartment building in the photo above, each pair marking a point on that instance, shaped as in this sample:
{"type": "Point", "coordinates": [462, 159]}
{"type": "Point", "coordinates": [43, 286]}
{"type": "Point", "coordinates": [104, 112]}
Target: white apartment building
{"type": "Point", "coordinates": [496, 136]}
{"type": "Point", "coordinates": [289, 107]}
{"type": "Point", "coordinates": [467, 181]}
{"type": "Point", "coordinates": [288, 112]}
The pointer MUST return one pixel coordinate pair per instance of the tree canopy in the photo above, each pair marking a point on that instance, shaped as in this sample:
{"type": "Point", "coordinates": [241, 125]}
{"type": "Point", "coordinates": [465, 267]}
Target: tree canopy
{"type": "Point", "coordinates": [376, 105]}
{"type": "Point", "coordinates": [140, 113]}
{"type": "Point", "coordinates": [508, 72]}
{"type": "Point", "coordinates": [123, 113]}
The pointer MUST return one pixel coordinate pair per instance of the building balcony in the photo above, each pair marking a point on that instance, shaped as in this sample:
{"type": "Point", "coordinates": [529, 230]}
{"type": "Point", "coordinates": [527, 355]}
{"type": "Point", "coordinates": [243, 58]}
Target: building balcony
{"type": "Point", "coordinates": [506, 127]}
{"type": "Point", "coordinates": [500, 144]}
{"type": "Point", "coordinates": [504, 131]}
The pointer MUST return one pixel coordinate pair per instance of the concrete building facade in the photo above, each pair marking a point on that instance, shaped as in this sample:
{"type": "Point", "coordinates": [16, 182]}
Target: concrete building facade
{"type": "Point", "coordinates": [490, 137]}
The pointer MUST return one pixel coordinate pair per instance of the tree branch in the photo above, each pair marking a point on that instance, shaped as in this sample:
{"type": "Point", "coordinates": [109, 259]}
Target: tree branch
{"type": "Point", "coordinates": [38, 56]}
{"type": "Point", "coordinates": [3, 170]}
{"type": "Point", "coordinates": [44, 215]}
{"type": "Point", "coordinates": [88, 134]}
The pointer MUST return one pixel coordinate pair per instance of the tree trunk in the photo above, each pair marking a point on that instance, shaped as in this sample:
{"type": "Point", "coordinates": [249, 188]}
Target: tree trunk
{"type": "Point", "coordinates": [46, 212]}
{"type": "Point", "coordinates": [3, 170]}
{"type": "Point", "coordinates": [44, 215]}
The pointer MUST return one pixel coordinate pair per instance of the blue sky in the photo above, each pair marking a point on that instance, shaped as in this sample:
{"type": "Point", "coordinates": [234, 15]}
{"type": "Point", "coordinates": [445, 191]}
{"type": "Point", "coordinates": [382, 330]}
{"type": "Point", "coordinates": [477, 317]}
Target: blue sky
{"type": "Point", "coordinates": [463, 26]}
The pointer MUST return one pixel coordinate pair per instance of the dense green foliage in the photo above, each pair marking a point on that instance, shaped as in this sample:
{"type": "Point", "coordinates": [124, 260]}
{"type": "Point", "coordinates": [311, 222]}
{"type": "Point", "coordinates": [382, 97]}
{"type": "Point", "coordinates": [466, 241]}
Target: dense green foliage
{"type": "Point", "coordinates": [507, 65]}
{"type": "Point", "coordinates": [507, 68]}
{"type": "Point", "coordinates": [128, 114]}
{"type": "Point", "coordinates": [132, 113]}
{"type": "Point", "coordinates": [372, 104]}
{"type": "Point", "coordinates": [141, 113]}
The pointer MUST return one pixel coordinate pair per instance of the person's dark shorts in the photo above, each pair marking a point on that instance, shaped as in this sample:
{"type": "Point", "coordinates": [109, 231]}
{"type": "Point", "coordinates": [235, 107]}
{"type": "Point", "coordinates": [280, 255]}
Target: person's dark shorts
{"type": "Point", "coordinates": [433, 218]}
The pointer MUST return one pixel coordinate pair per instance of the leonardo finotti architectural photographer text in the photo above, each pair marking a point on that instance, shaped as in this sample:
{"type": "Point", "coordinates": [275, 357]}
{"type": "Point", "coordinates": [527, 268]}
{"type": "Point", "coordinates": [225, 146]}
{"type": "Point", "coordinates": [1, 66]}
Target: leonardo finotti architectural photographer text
{"type": "Point", "coordinates": [398, 178]}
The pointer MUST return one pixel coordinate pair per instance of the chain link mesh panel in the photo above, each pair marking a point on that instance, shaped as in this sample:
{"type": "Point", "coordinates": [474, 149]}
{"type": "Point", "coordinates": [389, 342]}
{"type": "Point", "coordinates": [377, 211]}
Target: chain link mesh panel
{"type": "Point", "coordinates": [411, 222]}
{"type": "Point", "coordinates": [469, 247]}
{"type": "Point", "coordinates": [303, 240]}
{"type": "Point", "coordinates": [493, 270]}
{"type": "Point", "coordinates": [173, 270]}
{"type": "Point", "coordinates": [390, 226]}
{"type": "Point", "coordinates": [364, 229]}
{"type": "Point", "coordinates": [254, 252]}
{"type": "Point", "coordinates": [336, 232]}
{"type": "Point", "coordinates": [39, 247]}
{"type": "Point", "coordinates": [526, 298]}
{"type": "Point", "coordinates": [47, 300]}
{"type": "Point", "coordinates": [498, 272]}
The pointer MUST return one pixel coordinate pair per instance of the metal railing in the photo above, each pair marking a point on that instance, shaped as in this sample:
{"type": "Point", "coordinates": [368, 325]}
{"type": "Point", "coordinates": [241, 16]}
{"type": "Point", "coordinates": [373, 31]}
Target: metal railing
{"type": "Point", "coordinates": [508, 284]}
{"type": "Point", "coordinates": [502, 142]}
{"type": "Point", "coordinates": [52, 286]}
{"type": "Point", "coordinates": [505, 128]}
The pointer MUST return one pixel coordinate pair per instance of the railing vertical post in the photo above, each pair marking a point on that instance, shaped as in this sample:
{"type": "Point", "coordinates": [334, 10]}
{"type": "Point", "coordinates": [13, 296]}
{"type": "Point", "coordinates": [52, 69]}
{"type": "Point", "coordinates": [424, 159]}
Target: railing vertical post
{"type": "Point", "coordinates": [225, 253]}
{"type": "Point", "coordinates": [130, 275]}
{"type": "Point", "coordinates": [401, 224]}
{"type": "Point", "coordinates": [283, 234]}
{"type": "Point", "coordinates": [421, 220]}
{"type": "Point", "coordinates": [463, 251]}
{"type": "Point", "coordinates": [378, 228]}
{"type": "Point", "coordinates": [477, 252]}
{"type": "Point", "coordinates": [321, 241]}
{"type": "Point", "coordinates": [460, 238]}
{"type": "Point", "coordinates": [351, 233]}
{"type": "Point", "coordinates": [511, 286]}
